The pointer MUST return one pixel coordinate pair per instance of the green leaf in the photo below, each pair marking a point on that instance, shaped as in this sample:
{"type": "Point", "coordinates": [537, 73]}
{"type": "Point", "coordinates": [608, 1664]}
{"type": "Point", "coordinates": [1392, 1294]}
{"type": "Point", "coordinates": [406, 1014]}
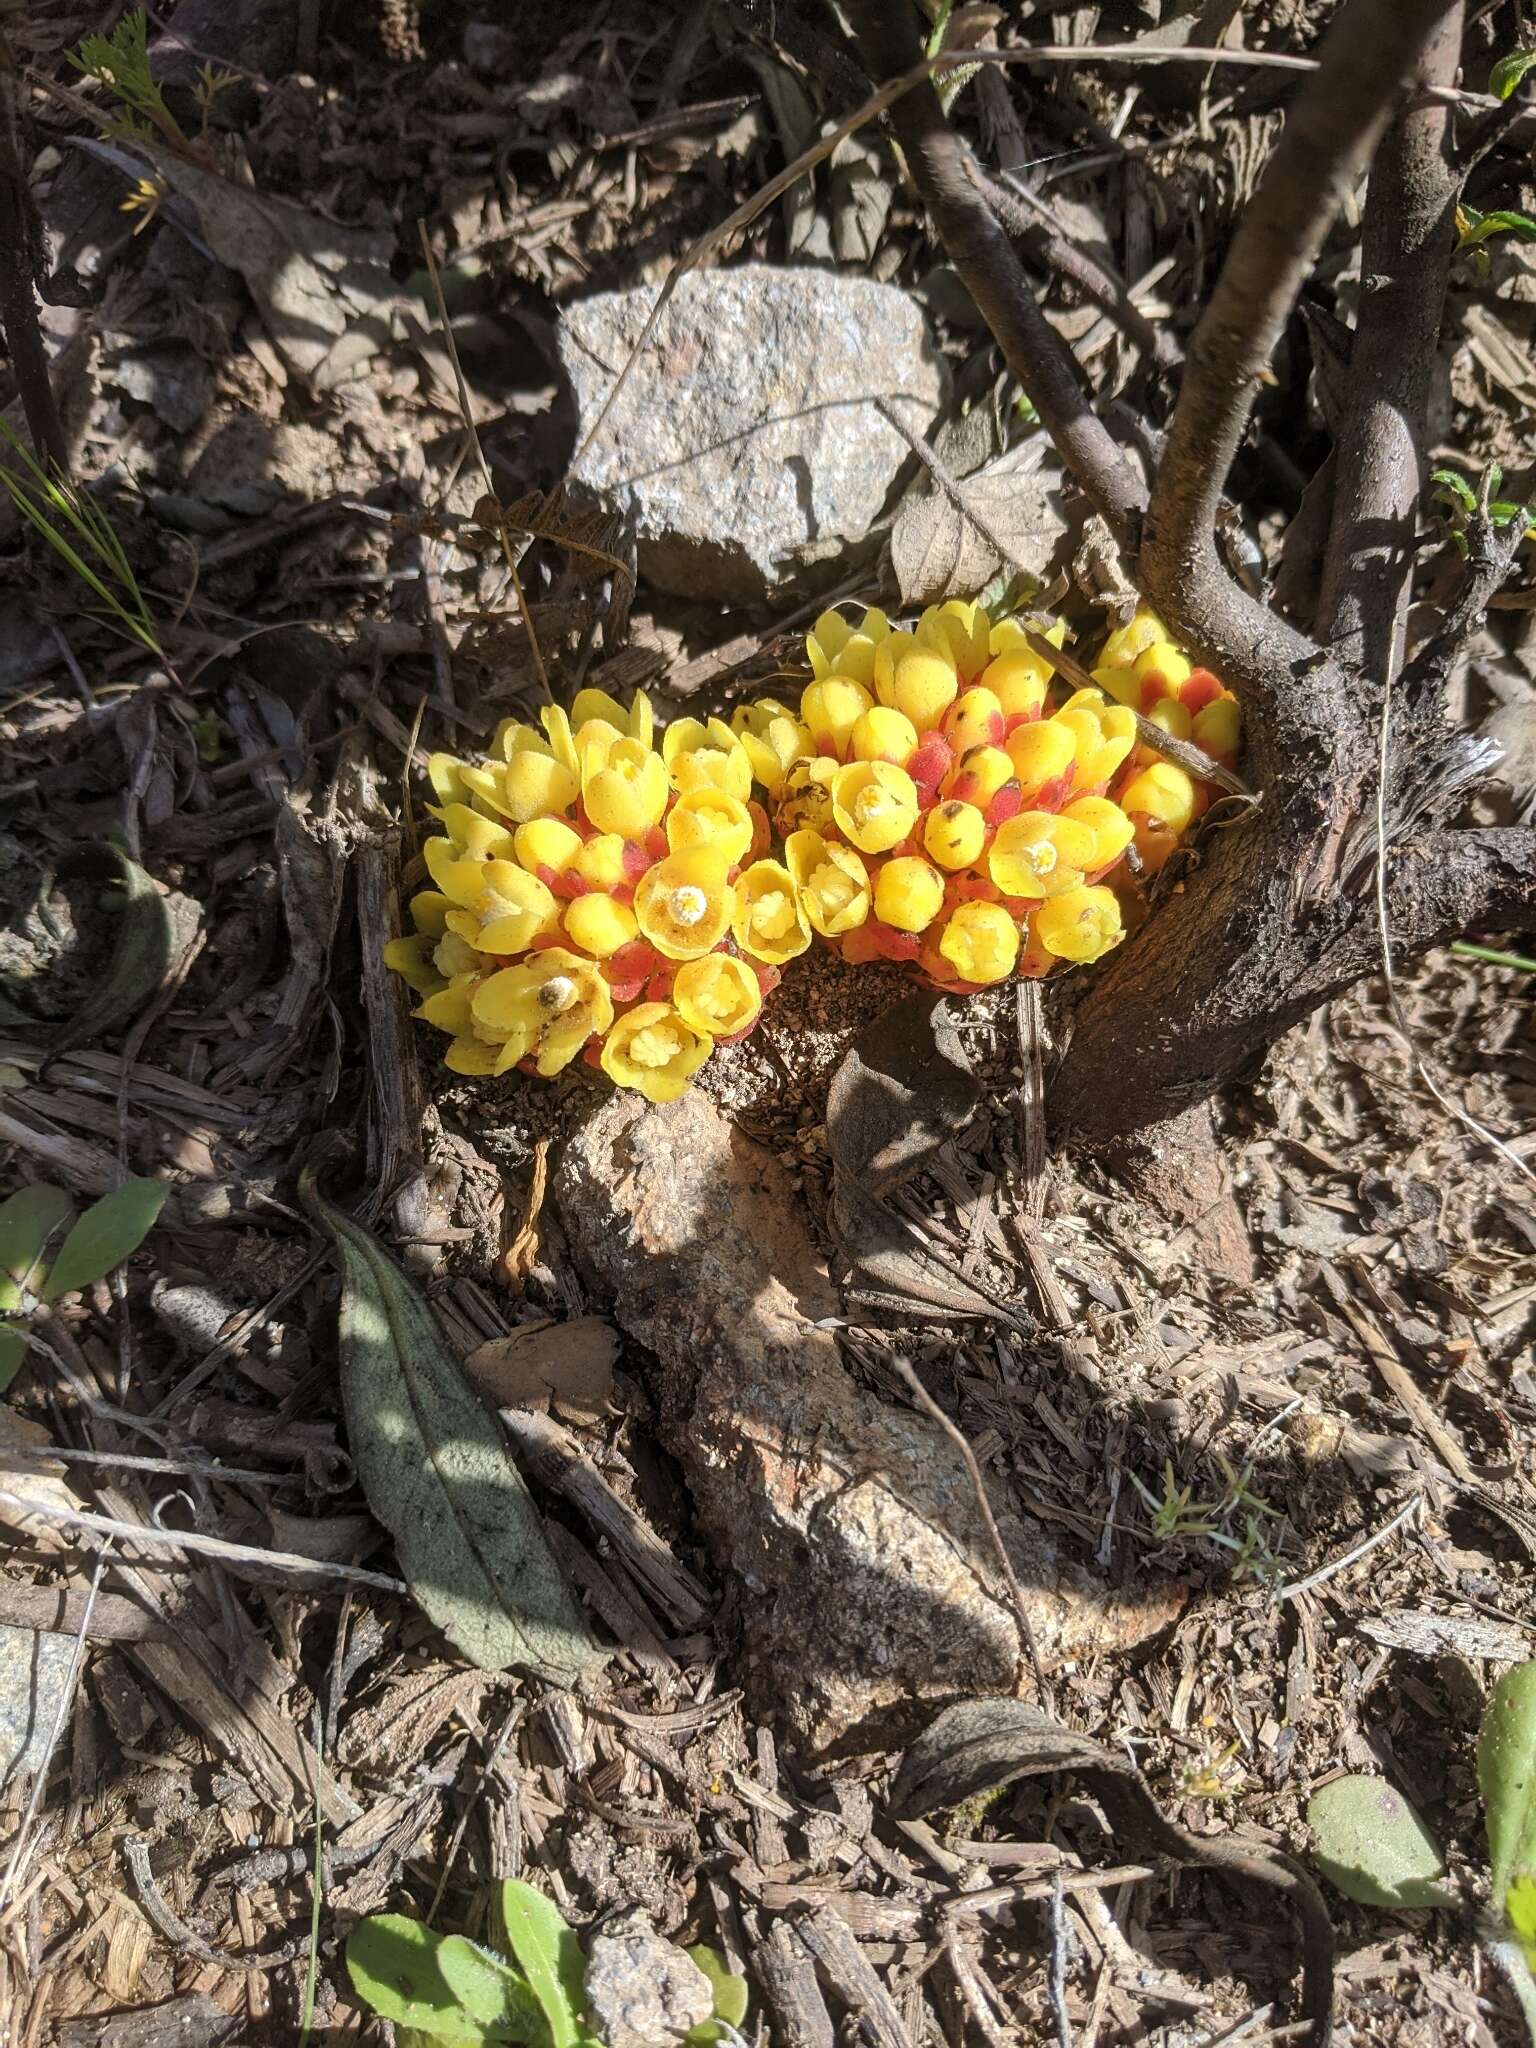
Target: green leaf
{"type": "Point", "coordinates": [730, 1996]}
{"type": "Point", "coordinates": [1369, 1842]}
{"type": "Point", "coordinates": [1450, 483]}
{"type": "Point", "coordinates": [27, 1220]}
{"type": "Point", "coordinates": [1506, 1776]}
{"type": "Point", "coordinates": [1509, 71]}
{"type": "Point", "coordinates": [110, 1231]}
{"type": "Point", "coordinates": [437, 1473]}
{"type": "Point", "coordinates": [549, 1954]}
{"type": "Point", "coordinates": [13, 1350]}
{"type": "Point", "coordinates": [490, 1991]}
{"type": "Point", "coordinates": [1474, 228]}
{"type": "Point", "coordinates": [396, 1967]}
{"type": "Point", "coordinates": [143, 950]}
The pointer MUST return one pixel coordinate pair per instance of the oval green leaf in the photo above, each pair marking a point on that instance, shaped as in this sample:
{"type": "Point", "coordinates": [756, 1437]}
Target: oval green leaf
{"type": "Point", "coordinates": [549, 1955]}
{"type": "Point", "coordinates": [1509, 71]}
{"type": "Point", "coordinates": [393, 1963]}
{"type": "Point", "coordinates": [110, 1231]}
{"type": "Point", "coordinates": [27, 1220]}
{"type": "Point", "coordinates": [1506, 1776]}
{"type": "Point", "coordinates": [730, 1995]}
{"type": "Point", "coordinates": [1369, 1842]}
{"type": "Point", "coordinates": [490, 1991]}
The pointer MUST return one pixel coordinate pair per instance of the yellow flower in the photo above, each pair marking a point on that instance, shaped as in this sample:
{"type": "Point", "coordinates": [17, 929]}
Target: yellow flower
{"type": "Point", "coordinates": [831, 709]}
{"type": "Point", "coordinates": [978, 777]}
{"type": "Point", "coordinates": [600, 863]}
{"type": "Point", "coordinates": [472, 836]}
{"type": "Point", "coordinates": [412, 960]}
{"type": "Point", "coordinates": [706, 756]}
{"type": "Point", "coordinates": [981, 942]}
{"type": "Point", "coordinates": [1162, 671]}
{"type": "Point", "coordinates": [882, 735]}
{"type": "Point", "coordinates": [769, 922]}
{"type": "Point", "coordinates": [975, 719]}
{"type": "Point", "coordinates": [654, 1049]}
{"type": "Point", "coordinates": [684, 903]}
{"type": "Point", "coordinates": [599, 925]}
{"type": "Point", "coordinates": [445, 773]}
{"type": "Point", "coordinates": [708, 817]}
{"type": "Point", "coordinates": [1160, 803]}
{"type": "Point", "coordinates": [1111, 828]}
{"type": "Point", "coordinates": [1040, 854]}
{"type": "Point", "coordinates": [1102, 735]}
{"type": "Point", "coordinates": [874, 804]}
{"type": "Point", "coordinates": [836, 648]}
{"type": "Point", "coordinates": [534, 782]}
{"type": "Point", "coordinates": [504, 912]}
{"type": "Point", "coordinates": [546, 1006]}
{"type": "Point", "coordinates": [1126, 643]}
{"type": "Point", "coordinates": [1219, 728]}
{"type": "Point", "coordinates": [546, 843]}
{"type": "Point", "coordinates": [774, 739]}
{"type": "Point", "coordinates": [717, 996]}
{"type": "Point", "coordinates": [1016, 674]}
{"type": "Point", "coordinates": [627, 793]}
{"type": "Point", "coordinates": [919, 681]}
{"type": "Point", "coordinates": [962, 632]}
{"type": "Point", "coordinates": [832, 880]}
{"type": "Point", "coordinates": [806, 803]}
{"type": "Point", "coordinates": [1082, 925]}
{"type": "Point", "coordinates": [637, 723]}
{"type": "Point", "coordinates": [1042, 755]}
{"type": "Point", "coordinates": [909, 894]}
{"type": "Point", "coordinates": [429, 912]}
{"type": "Point", "coordinates": [954, 834]}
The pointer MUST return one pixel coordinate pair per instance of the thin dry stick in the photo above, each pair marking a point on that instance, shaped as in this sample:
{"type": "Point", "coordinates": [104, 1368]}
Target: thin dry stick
{"type": "Point", "coordinates": [1405, 1514]}
{"type": "Point", "coordinates": [187, 1939]}
{"type": "Point", "coordinates": [957, 1437]}
{"type": "Point", "coordinates": [200, 1546]}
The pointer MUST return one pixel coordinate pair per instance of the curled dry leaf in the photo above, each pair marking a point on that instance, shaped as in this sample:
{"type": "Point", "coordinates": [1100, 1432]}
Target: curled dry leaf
{"type": "Point", "coordinates": [438, 1475]}
{"type": "Point", "coordinates": [570, 1364]}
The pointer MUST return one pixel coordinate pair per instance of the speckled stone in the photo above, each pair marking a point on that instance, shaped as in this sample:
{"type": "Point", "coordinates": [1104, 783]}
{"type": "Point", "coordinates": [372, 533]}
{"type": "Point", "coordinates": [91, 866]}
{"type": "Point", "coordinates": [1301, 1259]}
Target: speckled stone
{"type": "Point", "coordinates": [34, 1667]}
{"type": "Point", "coordinates": [747, 427]}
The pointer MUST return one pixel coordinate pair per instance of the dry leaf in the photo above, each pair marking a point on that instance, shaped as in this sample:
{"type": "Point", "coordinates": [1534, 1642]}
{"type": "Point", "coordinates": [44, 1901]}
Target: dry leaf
{"type": "Point", "coordinates": [570, 1364]}
{"type": "Point", "coordinates": [938, 553]}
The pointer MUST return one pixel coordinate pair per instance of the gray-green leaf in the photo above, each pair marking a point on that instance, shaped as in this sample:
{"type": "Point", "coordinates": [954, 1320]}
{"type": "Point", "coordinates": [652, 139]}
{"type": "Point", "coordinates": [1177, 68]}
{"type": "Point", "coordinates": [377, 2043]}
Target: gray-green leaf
{"type": "Point", "coordinates": [13, 1349]}
{"type": "Point", "coordinates": [110, 1231]}
{"type": "Point", "coordinates": [490, 1991]}
{"type": "Point", "coordinates": [1369, 1842]}
{"type": "Point", "coordinates": [437, 1474]}
{"type": "Point", "coordinates": [730, 1996]}
{"type": "Point", "coordinates": [1506, 1776]}
{"type": "Point", "coordinates": [550, 1957]}
{"type": "Point", "coordinates": [27, 1220]}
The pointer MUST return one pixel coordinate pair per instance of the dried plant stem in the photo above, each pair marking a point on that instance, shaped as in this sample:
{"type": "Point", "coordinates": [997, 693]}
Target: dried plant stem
{"type": "Point", "coordinates": [18, 295]}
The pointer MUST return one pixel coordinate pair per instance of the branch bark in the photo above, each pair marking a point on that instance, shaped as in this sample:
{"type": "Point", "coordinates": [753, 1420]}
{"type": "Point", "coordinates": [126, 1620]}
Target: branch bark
{"type": "Point", "coordinates": [18, 297]}
{"type": "Point", "coordinates": [1408, 237]}
{"type": "Point", "coordinates": [1367, 56]}
{"type": "Point", "coordinates": [947, 179]}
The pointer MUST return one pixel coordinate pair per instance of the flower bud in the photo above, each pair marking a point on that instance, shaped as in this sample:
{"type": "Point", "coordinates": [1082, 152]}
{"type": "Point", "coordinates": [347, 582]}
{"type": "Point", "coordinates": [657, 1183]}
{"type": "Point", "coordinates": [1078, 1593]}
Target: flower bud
{"type": "Point", "coordinates": [908, 894]}
{"type": "Point", "coordinates": [474, 836]}
{"type": "Point", "coordinates": [874, 805]}
{"type": "Point", "coordinates": [1162, 671]}
{"type": "Point", "coordinates": [832, 880]}
{"type": "Point", "coordinates": [628, 793]}
{"type": "Point", "coordinates": [769, 922]}
{"type": "Point", "coordinates": [1127, 643]}
{"type": "Point", "coordinates": [535, 784]}
{"type": "Point", "coordinates": [1160, 803]}
{"type": "Point", "coordinates": [836, 648]}
{"type": "Point", "coordinates": [546, 843]}
{"type": "Point", "coordinates": [1043, 755]}
{"type": "Point", "coordinates": [830, 710]}
{"type": "Point", "coordinates": [961, 632]}
{"type": "Point", "coordinates": [699, 755]}
{"type": "Point", "coordinates": [954, 834]}
{"type": "Point", "coordinates": [653, 1049]}
{"type": "Point", "coordinates": [708, 817]}
{"type": "Point", "coordinates": [922, 686]}
{"type": "Point", "coordinates": [978, 776]}
{"type": "Point", "coordinates": [717, 996]}
{"type": "Point", "coordinates": [975, 719]}
{"type": "Point", "coordinates": [1219, 729]}
{"type": "Point", "coordinates": [981, 942]}
{"type": "Point", "coordinates": [599, 925]}
{"type": "Point", "coordinates": [684, 903]}
{"type": "Point", "coordinates": [1102, 735]}
{"type": "Point", "coordinates": [774, 740]}
{"type": "Point", "coordinates": [1082, 925]}
{"type": "Point", "coordinates": [882, 735]}
{"type": "Point", "coordinates": [601, 862]}
{"type": "Point", "coordinates": [1040, 854]}
{"type": "Point", "coordinates": [1016, 674]}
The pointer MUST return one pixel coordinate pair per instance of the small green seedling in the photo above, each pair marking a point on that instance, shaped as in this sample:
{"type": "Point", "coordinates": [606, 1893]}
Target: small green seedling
{"type": "Point", "coordinates": [1458, 502]}
{"type": "Point", "coordinates": [1507, 74]}
{"type": "Point", "coordinates": [80, 533]}
{"type": "Point", "coordinates": [527, 1989]}
{"type": "Point", "coordinates": [1506, 1777]}
{"type": "Point", "coordinates": [110, 1231]}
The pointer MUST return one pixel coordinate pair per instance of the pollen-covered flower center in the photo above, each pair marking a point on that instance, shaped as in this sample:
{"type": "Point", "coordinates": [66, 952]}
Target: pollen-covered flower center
{"type": "Point", "coordinates": [1041, 858]}
{"type": "Point", "coordinates": [656, 1046]}
{"type": "Point", "coordinates": [687, 904]}
{"type": "Point", "coordinates": [557, 994]}
{"type": "Point", "coordinates": [870, 806]}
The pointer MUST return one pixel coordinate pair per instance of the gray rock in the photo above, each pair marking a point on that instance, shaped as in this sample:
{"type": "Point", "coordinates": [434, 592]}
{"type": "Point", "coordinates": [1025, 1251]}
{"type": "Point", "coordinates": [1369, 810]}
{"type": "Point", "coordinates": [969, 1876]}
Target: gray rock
{"type": "Point", "coordinates": [34, 1668]}
{"type": "Point", "coordinates": [747, 427]}
{"type": "Point", "coordinates": [641, 1991]}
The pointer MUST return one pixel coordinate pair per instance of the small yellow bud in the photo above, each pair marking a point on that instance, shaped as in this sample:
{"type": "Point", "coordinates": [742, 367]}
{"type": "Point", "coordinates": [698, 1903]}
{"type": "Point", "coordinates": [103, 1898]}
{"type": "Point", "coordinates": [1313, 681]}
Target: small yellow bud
{"type": "Point", "coordinates": [1082, 925]}
{"type": "Point", "coordinates": [909, 894]}
{"type": "Point", "coordinates": [832, 880]}
{"type": "Point", "coordinates": [882, 735]}
{"type": "Point", "coordinates": [975, 719]}
{"type": "Point", "coordinates": [1219, 728]}
{"type": "Point", "coordinates": [1111, 828]}
{"type": "Point", "coordinates": [769, 922]}
{"type": "Point", "coordinates": [962, 633]}
{"type": "Point", "coordinates": [1042, 754]}
{"type": "Point", "coordinates": [535, 784]}
{"type": "Point", "coordinates": [1126, 643]}
{"type": "Point", "coordinates": [834, 647]}
{"type": "Point", "coordinates": [684, 903]}
{"type": "Point", "coordinates": [600, 863]}
{"type": "Point", "coordinates": [1162, 670]}
{"type": "Point", "coordinates": [954, 834]}
{"type": "Point", "coordinates": [923, 684]}
{"type": "Point", "coordinates": [599, 925]}
{"type": "Point", "coordinates": [546, 843]}
{"type": "Point", "coordinates": [718, 996]}
{"type": "Point", "coordinates": [874, 805]}
{"type": "Point", "coordinates": [981, 942]}
{"type": "Point", "coordinates": [830, 710]}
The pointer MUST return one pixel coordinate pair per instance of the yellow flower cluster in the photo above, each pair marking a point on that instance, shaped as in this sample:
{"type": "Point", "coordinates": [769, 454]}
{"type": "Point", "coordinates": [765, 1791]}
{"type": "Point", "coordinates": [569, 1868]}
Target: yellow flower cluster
{"type": "Point", "coordinates": [598, 892]}
{"type": "Point", "coordinates": [594, 894]}
{"type": "Point", "coordinates": [935, 809]}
